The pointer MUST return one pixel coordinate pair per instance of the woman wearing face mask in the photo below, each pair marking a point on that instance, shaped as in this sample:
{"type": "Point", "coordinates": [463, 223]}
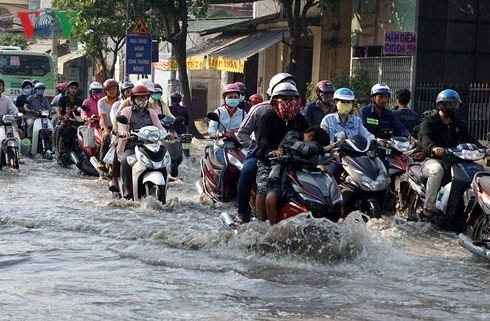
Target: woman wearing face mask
{"type": "Point", "coordinates": [139, 116]}
{"type": "Point", "coordinates": [343, 121]}
{"type": "Point", "coordinates": [157, 103]}
{"type": "Point", "coordinates": [34, 104]}
{"type": "Point", "coordinates": [230, 116]}
{"type": "Point", "coordinates": [96, 93]}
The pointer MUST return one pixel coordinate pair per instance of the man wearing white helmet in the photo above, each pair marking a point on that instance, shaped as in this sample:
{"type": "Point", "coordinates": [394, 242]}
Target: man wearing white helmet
{"type": "Point", "coordinates": [249, 127]}
{"type": "Point", "coordinates": [380, 121]}
{"type": "Point", "coordinates": [34, 104]}
{"type": "Point", "coordinates": [283, 117]}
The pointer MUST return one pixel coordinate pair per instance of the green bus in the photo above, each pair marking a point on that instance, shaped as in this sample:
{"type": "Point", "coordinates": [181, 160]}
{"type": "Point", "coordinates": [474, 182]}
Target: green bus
{"type": "Point", "coordinates": [18, 65]}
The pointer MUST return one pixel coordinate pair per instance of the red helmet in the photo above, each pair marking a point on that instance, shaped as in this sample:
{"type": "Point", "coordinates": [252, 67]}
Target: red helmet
{"type": "Point", "coordinates": [241, 86]}
{"type": "Point", "coordinates": [140, 90]}
{"type": "Point", "coordinates": [256, 99]}
{"type": "Point", "coordinates": [109, 83]}
{"type": "Point", "coordinates": [230, 88]}
{"type": "Point", "coordinates": [61, 86]}
{"type": "Point", "coordinates": [325, 86]}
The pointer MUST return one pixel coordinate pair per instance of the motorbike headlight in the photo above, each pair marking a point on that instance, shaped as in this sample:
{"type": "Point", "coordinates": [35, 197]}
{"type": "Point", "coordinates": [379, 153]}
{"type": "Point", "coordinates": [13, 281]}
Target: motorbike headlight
{"type": "Point", "coordinates": [470, 154]}
{"type": "Point", "coordinates": [402, 146]}
{"type": "Point", "coordinates": [235, 161]}
{"type": "Point", "coordinates": [153, 136]}
{"type": "Point", "coordinates": [145, 160]}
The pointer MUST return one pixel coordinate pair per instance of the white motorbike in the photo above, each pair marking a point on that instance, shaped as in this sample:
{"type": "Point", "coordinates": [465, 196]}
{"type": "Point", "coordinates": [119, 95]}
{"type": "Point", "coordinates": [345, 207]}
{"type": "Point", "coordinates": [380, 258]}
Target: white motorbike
{"type": "Point", "coordinates": [41, 135]}
{"type": "Point", "coordinates": [10, 142]}
{"type": "Point", "coordinates": [150, 164]}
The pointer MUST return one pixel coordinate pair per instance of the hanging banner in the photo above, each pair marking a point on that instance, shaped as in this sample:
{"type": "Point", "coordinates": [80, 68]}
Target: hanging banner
{"type": "Point", "coordinates": [47, 25]}
{"type": "Point", "coordinates": [226, 64]}
{"type": "Point", "coordinates": [193, 63]}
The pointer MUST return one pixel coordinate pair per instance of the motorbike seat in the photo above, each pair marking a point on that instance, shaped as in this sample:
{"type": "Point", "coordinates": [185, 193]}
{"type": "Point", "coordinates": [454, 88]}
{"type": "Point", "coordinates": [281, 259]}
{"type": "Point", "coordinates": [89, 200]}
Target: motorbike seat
{"type": "Point", "coordinates": [485, 184]}
{"type": "Point", "coordinates": [416, 170]}
{"type": "Point", "coordinates": [212, 159]}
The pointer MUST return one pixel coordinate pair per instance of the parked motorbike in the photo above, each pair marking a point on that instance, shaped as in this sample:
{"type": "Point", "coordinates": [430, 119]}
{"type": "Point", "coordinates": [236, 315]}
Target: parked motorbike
{"type": "Point", "coordinates": [10, 142]}
{"type": "Point", "coordinates": [150, 164]}
{"type": "Point", "coordinates": [476, 237]}
{"type": "Point", "coordinates": [456, 182]}
{"type": "Point", "coordinates": [41, 135]}
{"type": "Point", "coordinates": [222, 187]}
{"type": "Point", "coordinates": [364, 178]}
{"type": "Point", "coordinates": [173, 145]}
{"type": "Point", "coordinates": [87, 147]}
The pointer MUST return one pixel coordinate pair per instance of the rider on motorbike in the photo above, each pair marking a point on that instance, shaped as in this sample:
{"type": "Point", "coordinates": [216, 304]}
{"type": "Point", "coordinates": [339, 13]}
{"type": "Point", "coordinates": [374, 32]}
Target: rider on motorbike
{"type": "Point", "coordinates": [318, 109]}
{"type": "Point", "coordinates": [248, 173]}
{"type": "Point", "coordinates": [244, 104]}
{"type": "Point", "coordinates": [111, 89]}
{"type": "Point", "coordinates": [313, 141]}
{"type": "Point", "coordinates": [439, 131]}
{"type": "Point", "coordinates": [230, 117]}
{"type": "Point", "coordinates": [178, 110]}
{"type": "Point", "coordinates": [70, 98]}
{"type": "Point", "coordinates": [7, 107]}
{"type": "Point", "coordinates": [139, 116]}
{"type": "Point", "coordinates": [273, 127]}
{"type": "Point", "coordinates": [408, 117]}
{"type": "Point", "coordinates": [34, 104]}
{"type": "Point", "coordinates": [377, 118]}
{"type": "Point", "coordinates": [95, 92]}
{"type": "Point", "coordinates": [156, 101]}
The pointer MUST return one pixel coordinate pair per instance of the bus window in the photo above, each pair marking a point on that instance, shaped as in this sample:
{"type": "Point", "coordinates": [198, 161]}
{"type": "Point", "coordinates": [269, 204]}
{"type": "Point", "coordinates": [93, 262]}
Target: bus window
{"type": "Point", "coordinates": [24, 65]}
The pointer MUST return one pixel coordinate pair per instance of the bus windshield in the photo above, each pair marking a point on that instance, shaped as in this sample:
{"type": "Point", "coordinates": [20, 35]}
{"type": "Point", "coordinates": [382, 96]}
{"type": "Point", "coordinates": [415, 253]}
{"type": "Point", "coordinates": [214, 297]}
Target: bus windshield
{"type": "Point", "coordinates": [24, 65]}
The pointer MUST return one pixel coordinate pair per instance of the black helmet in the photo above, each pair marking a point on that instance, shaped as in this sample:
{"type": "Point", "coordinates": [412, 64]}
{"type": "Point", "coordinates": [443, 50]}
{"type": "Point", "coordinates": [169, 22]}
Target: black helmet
{"type": "Point", "coordinates": [2, 81]}
{"type": "Point", "coordinates": [25, 83]}
{"type": "Point", "coordinates": [175, 97]}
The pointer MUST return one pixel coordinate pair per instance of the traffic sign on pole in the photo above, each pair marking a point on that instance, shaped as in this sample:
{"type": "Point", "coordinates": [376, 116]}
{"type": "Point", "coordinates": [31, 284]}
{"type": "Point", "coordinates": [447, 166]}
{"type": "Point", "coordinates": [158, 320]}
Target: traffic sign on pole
{"type": "Point", "coordinates": [138, 54]}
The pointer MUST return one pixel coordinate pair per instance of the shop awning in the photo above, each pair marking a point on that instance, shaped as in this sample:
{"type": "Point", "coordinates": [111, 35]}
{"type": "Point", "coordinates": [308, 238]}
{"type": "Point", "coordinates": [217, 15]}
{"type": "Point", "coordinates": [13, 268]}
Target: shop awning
{"type": "Point", "coordinates": [229, 52]}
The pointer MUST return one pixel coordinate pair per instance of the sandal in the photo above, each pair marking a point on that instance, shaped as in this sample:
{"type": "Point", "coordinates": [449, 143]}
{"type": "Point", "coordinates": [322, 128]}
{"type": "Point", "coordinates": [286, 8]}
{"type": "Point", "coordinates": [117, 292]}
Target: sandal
{"type": "Point", "coordinates": [239, 220]}
{"type": "Point", "coordinates": [425, 215]}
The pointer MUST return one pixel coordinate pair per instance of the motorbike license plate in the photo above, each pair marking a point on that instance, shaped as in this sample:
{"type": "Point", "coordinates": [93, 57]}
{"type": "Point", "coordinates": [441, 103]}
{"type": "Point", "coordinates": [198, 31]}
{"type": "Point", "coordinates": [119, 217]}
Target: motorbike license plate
{"type": "Point", "coordinates": [186, 145]}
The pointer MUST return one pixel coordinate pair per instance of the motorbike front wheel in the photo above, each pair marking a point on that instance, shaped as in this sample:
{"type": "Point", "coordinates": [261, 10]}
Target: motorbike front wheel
{"type": "Point", "coordinates": [414, 207]}
{"type": "Point", "coordinates": [481, 232]}
{"type": "Point", "coordinates": [158, 191]}
{"type": "Point", "coordinates": [13, 157]}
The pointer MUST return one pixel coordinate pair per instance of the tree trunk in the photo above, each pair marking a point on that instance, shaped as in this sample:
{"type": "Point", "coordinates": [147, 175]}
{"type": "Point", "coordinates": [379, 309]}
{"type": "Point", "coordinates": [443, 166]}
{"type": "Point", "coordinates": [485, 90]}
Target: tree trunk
{"type": "Point", "coordinates": [180, 54]}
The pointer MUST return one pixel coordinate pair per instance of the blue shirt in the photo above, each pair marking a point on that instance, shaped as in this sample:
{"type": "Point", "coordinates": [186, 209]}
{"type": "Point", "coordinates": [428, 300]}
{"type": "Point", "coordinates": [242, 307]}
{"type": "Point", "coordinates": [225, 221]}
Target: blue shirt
{"type": "Point", "coordinates": [408, 118]}
{"type": "Point", "coordinates": [375, 124]}
{"type": "Point", "coordinates": [226, 121]}
{"type": "Point", "coordinates": [352, 127]}
{"type": "Point", "coordinates": [314, 113]}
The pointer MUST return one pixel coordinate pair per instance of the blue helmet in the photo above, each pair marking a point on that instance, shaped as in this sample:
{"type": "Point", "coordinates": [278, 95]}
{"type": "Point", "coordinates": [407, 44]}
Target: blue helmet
{"type": "Point", "coordinates": [448, 95]}
{"type": "Point", "coordinates": [382, 89]}
{"type": "Point", "coordinates": [127, 84]}
{"type": "Point", "coordinates": [344, 94]}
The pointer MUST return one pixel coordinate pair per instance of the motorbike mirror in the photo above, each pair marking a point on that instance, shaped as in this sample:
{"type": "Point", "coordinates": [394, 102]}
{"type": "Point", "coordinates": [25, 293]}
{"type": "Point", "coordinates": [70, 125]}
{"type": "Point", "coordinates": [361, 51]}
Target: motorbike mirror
{"type": "Point", "coordinates": [86, 108]}
{"type": "Point", "coordinates": [166, 120]}
{"type": "Point", "coordinates": [162, 116]}
{"type": "Point", "coordinates": [213, 116]}
{"type": "Point", "coordinates": [179, 120]}
{"type": "Point", "coordinates": [122, 119]}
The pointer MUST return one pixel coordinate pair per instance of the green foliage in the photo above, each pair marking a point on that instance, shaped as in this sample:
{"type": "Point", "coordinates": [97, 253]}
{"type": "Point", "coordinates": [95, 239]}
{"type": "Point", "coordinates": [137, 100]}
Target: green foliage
{"type": "Point", "coordinates": [359, 84]}
{"type": "Point", "coordinates": [10, 39]}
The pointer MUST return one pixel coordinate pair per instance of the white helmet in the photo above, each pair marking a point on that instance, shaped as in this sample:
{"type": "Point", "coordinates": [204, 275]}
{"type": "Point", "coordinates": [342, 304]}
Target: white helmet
{"type": "Point", "coordinates": [282, 77]}
{"type": "Point", "coordinates": [382, 89]}
{"type": "Point", "coordinates": [344, 94]}
{"type": "Point", "coordinates": [95, 86]}
{"type": "Point", "coordinates": [285, 89]}
{"type": "Point", "coordinates": [147, 83]}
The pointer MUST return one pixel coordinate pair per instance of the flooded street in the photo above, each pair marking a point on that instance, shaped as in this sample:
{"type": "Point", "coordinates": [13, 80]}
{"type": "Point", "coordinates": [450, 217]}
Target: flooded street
{"type": "Point", "coordinates": [69, 251]}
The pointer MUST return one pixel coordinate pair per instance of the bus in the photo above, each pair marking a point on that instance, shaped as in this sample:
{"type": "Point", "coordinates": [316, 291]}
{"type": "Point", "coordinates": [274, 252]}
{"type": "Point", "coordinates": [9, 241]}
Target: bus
{"type": "Point", "coordinates": [19, 65]}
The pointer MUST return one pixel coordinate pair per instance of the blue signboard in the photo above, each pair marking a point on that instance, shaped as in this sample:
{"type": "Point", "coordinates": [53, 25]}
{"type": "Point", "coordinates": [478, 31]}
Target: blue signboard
{"type": "Point", "coordinates": [138, 54]}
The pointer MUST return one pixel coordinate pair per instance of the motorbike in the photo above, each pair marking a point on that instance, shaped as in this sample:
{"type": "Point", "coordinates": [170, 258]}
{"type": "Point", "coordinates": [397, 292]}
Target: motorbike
{"type": "Point", "coordinates": [222, 187]}
{"type": "Point", "coordinates": [174, 146]}
{"type": "Point", "coordinates": [398, 155]}
{"type": "Point", "coordinates": [10, 142]}
{"type": "Point", "coordinates": [460, 167]}
{"type": "Point", "coordinates": [364, 179]}
{"type": "Point", "coordinates": [85, 151]}
{"type": "Point", "coordinates": [150, 164]}
{"type": "Point", "coordinates": [476, 237]}
{"type": "Point", "coordinates": [41, 135]}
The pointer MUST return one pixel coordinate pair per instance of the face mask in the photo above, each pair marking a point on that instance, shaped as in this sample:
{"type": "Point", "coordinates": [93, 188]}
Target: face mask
{"type": "Point", "coordinates": [141, 103]}
{"type": "Point", "coordinates": [39, 92]}
{"type": "Point", "coordinates": [344, 108]}
{"type": "Point", "coordinates": [449, 112]}
{"type": "Point", "coordinates": [286, 109]}
{"type": "Point", "coordinates": [242, 98]}
{"type": "Point", "coordinates": [27, 91]}
{"type": "Point", "coordinates": [156, 96]}
{"type": "Point", "coordinates": [97, 96]}
{"type": "Point", "coordinates": [232, 102]}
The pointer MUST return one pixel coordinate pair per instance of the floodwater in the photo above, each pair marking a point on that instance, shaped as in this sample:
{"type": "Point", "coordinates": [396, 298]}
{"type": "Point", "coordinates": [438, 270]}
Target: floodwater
{"type": "Point", "coordinates": [69, 251]}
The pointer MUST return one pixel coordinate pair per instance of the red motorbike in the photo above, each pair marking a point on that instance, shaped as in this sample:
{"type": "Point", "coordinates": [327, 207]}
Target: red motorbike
{"type": "Point", "coordinates": [87, 147]}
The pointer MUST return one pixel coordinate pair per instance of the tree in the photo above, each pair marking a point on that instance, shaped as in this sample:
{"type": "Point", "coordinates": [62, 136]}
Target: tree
{"type": "Point", "coordinates": [10, 39]}
{"type": "Point", "coordinates": [296, 17]}
{"type": "Point", "coordinates": [98, 22]}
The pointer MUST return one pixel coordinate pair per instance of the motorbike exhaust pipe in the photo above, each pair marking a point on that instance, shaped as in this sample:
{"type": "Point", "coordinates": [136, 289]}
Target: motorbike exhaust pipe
{"type": "Point", "coordinates": [468, 244]}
